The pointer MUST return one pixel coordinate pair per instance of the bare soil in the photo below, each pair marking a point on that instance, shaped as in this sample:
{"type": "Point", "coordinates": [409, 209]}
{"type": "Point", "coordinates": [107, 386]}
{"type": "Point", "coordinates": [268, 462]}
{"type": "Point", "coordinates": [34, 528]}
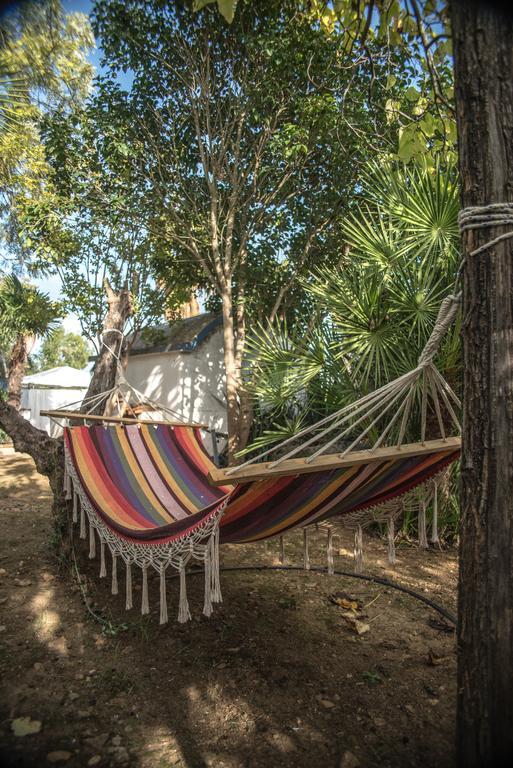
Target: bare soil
{"type": "Point", "coordinates": [276, 677]}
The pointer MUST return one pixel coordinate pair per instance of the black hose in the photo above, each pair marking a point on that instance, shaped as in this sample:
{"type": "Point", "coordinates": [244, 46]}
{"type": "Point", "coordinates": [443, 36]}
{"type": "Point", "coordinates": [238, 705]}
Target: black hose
{"type": "Point", "coordinates": [375, 579]}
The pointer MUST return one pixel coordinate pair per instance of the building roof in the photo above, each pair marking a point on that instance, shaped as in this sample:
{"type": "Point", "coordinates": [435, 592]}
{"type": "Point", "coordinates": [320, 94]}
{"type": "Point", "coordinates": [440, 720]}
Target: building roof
{"type": "Point", "coordinates": [63, 377]}
{"type": "Point", "coordinates": [181, 336]}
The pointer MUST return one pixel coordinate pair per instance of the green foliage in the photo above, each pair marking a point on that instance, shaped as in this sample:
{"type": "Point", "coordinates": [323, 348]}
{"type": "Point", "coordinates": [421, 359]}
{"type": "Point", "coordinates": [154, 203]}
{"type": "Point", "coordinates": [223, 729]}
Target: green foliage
{"type": "Point", "coordinates": [375, 310]}
{"type": "Point", "coordinates": [25, 310]}
{"type": "Point", "coordinates": [43, 67]}
{"type": "Point", "coordinates": [61, 348]}
{"type": "Point", "coordinates": [265, 117]}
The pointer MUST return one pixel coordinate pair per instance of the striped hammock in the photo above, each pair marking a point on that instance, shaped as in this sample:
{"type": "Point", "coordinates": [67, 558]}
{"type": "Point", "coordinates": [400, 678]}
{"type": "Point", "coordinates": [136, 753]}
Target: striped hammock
{"type": "Point", "coordinates": [144, 492]}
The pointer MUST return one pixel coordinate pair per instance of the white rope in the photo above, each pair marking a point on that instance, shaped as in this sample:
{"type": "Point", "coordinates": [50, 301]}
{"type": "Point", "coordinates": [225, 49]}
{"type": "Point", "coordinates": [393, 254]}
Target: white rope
{"type": "Point", "coordinates": [423, 542]}
{"type": "Point", "coordinates": [329, 552]}
{"type": "Point", "coordinates": [484, 217]}
{"type": "Point", "coordinates": [391, 541]}
{"type": "Point", "coordinates": [434, 523]}
{"type": "Point", "coordinates": [128, 603]}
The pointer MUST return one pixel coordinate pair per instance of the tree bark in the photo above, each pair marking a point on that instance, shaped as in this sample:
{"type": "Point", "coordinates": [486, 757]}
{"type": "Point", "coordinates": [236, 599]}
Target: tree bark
{"type": "Point", "coordinates": [17, 367]}
{"type": "Point", "coordinates": [483, 58]}
{"type": "Point", "coordinates": [105, 369]}
{"type": "Point", "coordinates": [232, 406]}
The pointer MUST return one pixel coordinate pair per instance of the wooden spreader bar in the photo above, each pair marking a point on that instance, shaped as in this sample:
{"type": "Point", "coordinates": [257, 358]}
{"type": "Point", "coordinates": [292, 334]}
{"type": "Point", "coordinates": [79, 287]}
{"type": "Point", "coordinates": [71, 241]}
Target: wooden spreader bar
{"type": "Point", "coordinates": [263, 471]}
{"type": "Point", "coordinates": [77, 416]}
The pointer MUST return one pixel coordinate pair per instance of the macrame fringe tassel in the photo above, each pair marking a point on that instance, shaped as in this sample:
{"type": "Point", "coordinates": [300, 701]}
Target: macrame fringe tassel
{"type": "Point", "coordinates": [391, 541]}
{"type": "Point", "coordinates": [103, 569]}
{"type": "Point", "coordinates": [92, 542]}
{"type": "Point", "coordinates": [282, 550]}
{"type": "Point", "coordinates": [184, 613]}
{"type": "Point", "coordinates": [331, 567]}
{"type": "Point", "coordinates": [67, 484]}
{"type": "Point", "coordinates": [423, 542]}
{"type": "Point", "coordinates": [145, 604]}
{"type": "Point", "coordinates": [358, 550]}
{"type": "Point", "coordinates": [306, 557]}
{"type": "Point", "coordinates": [207, 604]}
{"type": "Point", "coordinates": [163, 598]}
{"type": "Point", "coordinates": [128, 603]}
{"type": "Point", "coordinates": [434, 524]}
{"type": "Point", "coordinates": [82, 522]}
{"type": "Point", "coordinates": [114, 589]}
{"type": "Point", "coordinates": [75, 507]}
{"type": "Point", "coordinates": [216, 582]}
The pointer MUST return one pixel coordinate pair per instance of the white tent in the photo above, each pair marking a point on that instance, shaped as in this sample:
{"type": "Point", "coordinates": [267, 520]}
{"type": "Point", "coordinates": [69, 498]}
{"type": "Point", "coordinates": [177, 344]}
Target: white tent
{"type": "Point", "coordinates": [49, 391]}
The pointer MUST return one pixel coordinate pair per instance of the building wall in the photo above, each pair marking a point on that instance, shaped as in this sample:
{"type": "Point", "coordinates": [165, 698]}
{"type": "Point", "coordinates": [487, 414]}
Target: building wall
{"type": "Point", "coordinates": [191, 383]}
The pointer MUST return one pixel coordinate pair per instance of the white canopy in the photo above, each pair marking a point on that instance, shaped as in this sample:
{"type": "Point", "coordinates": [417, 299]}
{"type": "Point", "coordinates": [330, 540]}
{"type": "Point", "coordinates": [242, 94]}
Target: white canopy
{"type": "Point", "coordinates": [63, 377]}
{"type": "Point", "coordinates": [50, 391]}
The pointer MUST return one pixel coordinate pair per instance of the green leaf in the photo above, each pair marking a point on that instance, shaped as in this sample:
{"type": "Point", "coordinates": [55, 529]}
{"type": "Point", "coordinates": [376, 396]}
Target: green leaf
{"type": "Point", "coordinates": [391, 81]}
{"type": "Point", "coordinates": [227, 9]}
{"type": "Point", "coordinates": [412, 94]}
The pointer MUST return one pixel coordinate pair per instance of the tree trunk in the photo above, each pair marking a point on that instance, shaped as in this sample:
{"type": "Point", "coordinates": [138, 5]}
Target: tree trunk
{"type": "Point", "coordinates": [232, 405]}
{"type": "Point", "coordinates": [48, 452]}
{"type": "Point", "coordinates": [483, 57]}
{"type": "Point", "coordinates": [105, 369]}
{"type": "Point", "coordinates": [17, 367]}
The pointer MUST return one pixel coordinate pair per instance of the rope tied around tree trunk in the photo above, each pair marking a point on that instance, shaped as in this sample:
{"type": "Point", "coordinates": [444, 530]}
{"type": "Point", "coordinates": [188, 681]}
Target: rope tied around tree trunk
{"type": "Point", "coordinates": [484, 217]}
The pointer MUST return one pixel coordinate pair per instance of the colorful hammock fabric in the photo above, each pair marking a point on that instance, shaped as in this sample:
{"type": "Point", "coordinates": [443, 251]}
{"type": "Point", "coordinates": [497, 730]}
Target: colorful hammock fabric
{"type": "Point", "coordinates": [146, 494]}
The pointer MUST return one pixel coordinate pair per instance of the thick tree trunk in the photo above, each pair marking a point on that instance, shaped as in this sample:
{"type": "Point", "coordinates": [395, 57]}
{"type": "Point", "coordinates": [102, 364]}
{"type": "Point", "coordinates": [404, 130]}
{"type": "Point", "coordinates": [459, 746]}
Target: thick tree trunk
{"type": "Point", "coordinates": [17, 367]}
{"type": "Point", "coordinates": [105, 369]}
{"type": "Point", "coordinates": [483, 55]}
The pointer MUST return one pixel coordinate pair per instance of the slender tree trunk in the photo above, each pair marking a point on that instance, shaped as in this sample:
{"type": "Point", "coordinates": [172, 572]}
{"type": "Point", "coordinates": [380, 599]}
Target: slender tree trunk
{"type": "Point", "coordinates": [232, 405]}
{"type": "Point", "coordinates": [17, 367]}
{"type": "Point", "coordinates": [105, 369]}
{"type": "Point", "coordinates": [483, 56]}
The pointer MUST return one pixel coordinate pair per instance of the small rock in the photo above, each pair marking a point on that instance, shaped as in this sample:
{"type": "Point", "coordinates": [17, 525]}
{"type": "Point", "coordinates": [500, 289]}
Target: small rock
{"type": "Point", "coordinates": [22, 582]}
{"type": "Point", "coordinates": [116, 740]}
{"type": "Point", "coordinates": [3, 600]}
{"type": "Point", "coordinates": [38, 667]}
{"type": "Point", "coordinates": [72, 696]}
{"type": "Point", "coordinates": [59, 756]}
{"type": "Point", "coordinates": [24, 726]}
{"type": "Point", "coordinates": [83, 714]}
{"type": "Point", "coordinates": [349, 760]}
{"type": "Point", "coordinates": [2, 571]}
{"type": "Point", "coordinates": [94, 760]}
{"type": "Point", "coordinates": [379, 721]}
{"type": "Point", "coordinates": [409, 708]}
{"type": "Point", "coordinates": [97, 742]}
{"type": "Point", "coordinates": [2, 627]}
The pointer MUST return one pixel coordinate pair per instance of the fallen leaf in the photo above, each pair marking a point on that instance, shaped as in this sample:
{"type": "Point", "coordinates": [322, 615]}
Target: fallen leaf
{"type": "Point", "coordinates": [343, 600]}
{"type": "Point", "coordinates": [24, 726]}
{"type": "Point", "coordinates": [59, 756]}
{"type": "Point", "coordinates": [355, 623]}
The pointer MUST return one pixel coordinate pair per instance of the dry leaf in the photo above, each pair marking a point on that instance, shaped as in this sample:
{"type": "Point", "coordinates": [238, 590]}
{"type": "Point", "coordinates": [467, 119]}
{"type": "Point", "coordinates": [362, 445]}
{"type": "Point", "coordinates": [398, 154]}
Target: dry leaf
{"type": "Point", "coordinates": [24, 726]}
{"type": "Point", "coordinates": [345, 601]}
{"type": "Point", "coordinates": [356, 624]}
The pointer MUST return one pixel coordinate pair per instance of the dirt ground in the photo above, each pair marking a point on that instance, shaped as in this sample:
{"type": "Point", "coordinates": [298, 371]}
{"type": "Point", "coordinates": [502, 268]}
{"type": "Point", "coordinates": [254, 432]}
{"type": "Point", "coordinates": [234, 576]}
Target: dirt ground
{"type": "Point", "coordinates": [276, 677]}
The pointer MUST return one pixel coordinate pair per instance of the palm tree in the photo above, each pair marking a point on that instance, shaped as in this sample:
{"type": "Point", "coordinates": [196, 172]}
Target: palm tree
{"type": "Point", "coordinates": [374, 312]}
{"type": "Point", "coordinates": [25, 314]}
